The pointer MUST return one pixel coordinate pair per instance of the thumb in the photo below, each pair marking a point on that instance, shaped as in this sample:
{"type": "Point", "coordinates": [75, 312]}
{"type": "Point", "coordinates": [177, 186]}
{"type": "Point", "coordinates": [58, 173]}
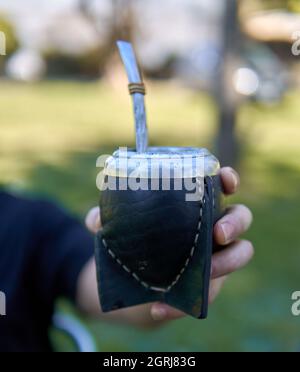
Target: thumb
{"type": "Point", "coordinates": [92, 220]}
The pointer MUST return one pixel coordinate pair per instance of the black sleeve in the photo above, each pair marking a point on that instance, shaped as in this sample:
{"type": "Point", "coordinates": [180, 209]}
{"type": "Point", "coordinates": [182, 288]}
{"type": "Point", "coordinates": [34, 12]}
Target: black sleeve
{"type": "Point", "coordinates": [63, 247]}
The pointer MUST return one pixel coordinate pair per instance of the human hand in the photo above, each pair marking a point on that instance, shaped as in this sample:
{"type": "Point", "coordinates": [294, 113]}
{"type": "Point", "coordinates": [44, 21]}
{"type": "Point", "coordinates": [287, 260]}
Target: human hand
{"type": "Point", "coordinates": [235, 254]}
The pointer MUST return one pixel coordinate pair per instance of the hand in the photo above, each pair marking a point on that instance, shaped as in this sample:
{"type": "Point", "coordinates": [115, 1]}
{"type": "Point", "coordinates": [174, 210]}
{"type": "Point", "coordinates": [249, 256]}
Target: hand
{"type": "Point", "coordinates": [235, 254]}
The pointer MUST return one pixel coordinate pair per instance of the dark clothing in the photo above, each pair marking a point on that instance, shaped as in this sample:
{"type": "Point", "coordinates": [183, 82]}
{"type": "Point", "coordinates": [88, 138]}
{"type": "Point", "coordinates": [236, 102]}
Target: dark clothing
{"type": "Point", "coordinates": [42, 251]}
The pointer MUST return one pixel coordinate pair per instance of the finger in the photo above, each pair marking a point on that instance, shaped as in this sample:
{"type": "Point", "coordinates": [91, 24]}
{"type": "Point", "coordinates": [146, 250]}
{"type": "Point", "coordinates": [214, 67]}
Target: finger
{"type": "Point", "coordinates": [233, 224]}
{"type": "Point", "coordinates": [215, 287]}
{"type": "Point", "coordinates": [235, 257]}
{"type": "Point", "coordinates": [92, 220]}
{"type": "Point", "coordinates": [163, 312]}
{"type": "Point", "coordinates": [230, 180]}
{"type": "Point", "coordinates": [160, 311]}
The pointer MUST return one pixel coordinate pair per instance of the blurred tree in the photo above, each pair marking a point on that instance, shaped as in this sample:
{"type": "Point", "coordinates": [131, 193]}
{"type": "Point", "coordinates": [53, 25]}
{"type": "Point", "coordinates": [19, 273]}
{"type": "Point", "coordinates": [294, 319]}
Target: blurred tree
{"type": "Point", "coordinates": [294, 5]}
{"type": "Point", "coordinates": [291, 5]}
{"type": "Point", "coordinates": [121, 26]}
{"type": "Point", "coordinates": [227, 100]}
{"type": "Point", "coordinates": [123, 20]}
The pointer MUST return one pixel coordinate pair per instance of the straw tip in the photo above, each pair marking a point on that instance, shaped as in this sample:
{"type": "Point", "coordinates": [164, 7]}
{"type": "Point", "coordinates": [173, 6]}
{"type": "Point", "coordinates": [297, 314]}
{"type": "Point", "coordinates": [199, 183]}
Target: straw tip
{"type": "Point", "coordinates": [122, 43]}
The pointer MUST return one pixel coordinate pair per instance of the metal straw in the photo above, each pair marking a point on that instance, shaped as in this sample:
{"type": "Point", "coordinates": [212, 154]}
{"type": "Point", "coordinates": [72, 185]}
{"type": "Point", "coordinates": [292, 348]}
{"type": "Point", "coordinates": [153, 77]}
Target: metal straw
{"type": "Point", "coordinates": [134, 77]}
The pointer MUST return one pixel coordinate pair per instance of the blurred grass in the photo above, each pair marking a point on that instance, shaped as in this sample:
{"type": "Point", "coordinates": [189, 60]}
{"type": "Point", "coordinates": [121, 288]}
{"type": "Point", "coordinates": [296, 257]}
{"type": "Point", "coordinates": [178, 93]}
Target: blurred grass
{"type": "Point", "coordinates": [51, 135]}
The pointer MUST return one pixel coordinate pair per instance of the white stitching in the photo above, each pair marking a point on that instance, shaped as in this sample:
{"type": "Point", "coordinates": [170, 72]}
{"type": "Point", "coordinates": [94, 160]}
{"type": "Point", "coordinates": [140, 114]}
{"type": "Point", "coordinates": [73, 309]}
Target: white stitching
{"type": "Point", "coordinates": [193, 250]}
{"type": "Point", "coordinates": [126, 268]}
{"type": "Point", "coordinates": [111, 253]}
{"type": "Point", "coordinates": [144, 284]}
{"type": "Point", "coordinates": [136, 277]}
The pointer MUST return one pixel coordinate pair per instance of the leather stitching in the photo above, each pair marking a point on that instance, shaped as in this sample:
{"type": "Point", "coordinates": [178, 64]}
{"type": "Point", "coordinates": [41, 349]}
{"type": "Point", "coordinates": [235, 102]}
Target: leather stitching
{"type": "Point", "coordinates": [157, 289]}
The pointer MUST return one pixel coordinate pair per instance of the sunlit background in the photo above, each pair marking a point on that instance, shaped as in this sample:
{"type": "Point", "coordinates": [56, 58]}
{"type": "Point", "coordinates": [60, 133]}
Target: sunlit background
{"type": "Point", "coordinates": [219, 74]}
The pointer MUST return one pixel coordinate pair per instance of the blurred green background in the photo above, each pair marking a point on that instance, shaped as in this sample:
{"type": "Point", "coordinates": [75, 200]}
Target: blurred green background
{"type": "Point", "coordinates": [51, 135]}
{"type": "Point", "coordinates": [64, 102]}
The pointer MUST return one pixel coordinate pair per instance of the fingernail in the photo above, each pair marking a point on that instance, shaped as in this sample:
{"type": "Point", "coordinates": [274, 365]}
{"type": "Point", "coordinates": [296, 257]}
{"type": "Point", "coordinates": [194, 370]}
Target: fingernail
{"type": "Point", "coordinates": [228, 231]}
{"type": "Point", "coordinates": [158, 313]}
